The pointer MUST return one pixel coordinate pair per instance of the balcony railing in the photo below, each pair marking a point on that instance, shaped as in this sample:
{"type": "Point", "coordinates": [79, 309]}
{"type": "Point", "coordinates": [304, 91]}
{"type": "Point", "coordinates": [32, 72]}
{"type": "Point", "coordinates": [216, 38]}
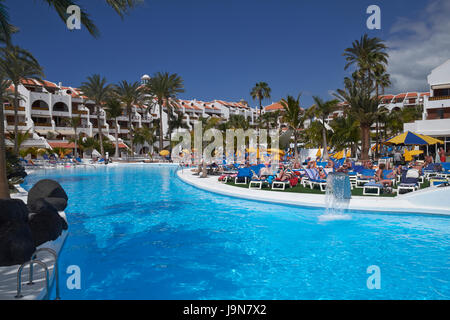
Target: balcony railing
{"type": "Point", "coordinates": [79, 112]}
{"type": "Point", "coordinates": [42, 124]}
{"type": "Point", "coordinates": [39, 108]}
{"type": "Point", "coordinates": [439, 98]}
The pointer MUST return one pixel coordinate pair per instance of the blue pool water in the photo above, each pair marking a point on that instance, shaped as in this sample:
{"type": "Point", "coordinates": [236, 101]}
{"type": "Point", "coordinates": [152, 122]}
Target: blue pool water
{"type": "Point", "coordinates": [138, 232]}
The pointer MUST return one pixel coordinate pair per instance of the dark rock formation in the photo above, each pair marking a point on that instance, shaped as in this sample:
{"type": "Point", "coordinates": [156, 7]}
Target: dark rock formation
{"type": "Point", "coordinates": [16, 240]}
{"type": "Point", "coordinates": [49, 190]}
{"type": "Point", "coordinates": [45, 222]}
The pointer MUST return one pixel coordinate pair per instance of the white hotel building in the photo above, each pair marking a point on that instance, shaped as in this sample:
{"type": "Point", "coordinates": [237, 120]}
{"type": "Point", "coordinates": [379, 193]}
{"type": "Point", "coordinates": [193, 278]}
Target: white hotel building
{"type": "Point", "coordinates": [436, 112]}
{"type": "Point", "coordinates": [46, 106]}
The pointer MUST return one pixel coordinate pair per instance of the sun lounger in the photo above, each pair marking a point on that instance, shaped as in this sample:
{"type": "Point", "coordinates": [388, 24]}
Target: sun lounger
{"type": "Point", "coordinates": [365, 176]}
{"type": "Point", "coordinates": [407, 184]}
{"type": "Point", "coordinates": [372, 189]}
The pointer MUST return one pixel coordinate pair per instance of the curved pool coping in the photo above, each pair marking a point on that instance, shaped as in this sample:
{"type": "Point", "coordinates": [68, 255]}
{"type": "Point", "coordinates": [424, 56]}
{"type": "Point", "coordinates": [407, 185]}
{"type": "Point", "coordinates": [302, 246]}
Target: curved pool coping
{"type": "Point", "coordinates": [435, 201]}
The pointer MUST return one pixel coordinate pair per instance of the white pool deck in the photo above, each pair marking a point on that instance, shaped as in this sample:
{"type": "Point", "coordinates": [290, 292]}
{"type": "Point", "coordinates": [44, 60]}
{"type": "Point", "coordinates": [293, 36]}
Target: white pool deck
{"type": "Point", "coordinates": [37, 291]}
{"type": "Point", "coordinates": [428, 201]}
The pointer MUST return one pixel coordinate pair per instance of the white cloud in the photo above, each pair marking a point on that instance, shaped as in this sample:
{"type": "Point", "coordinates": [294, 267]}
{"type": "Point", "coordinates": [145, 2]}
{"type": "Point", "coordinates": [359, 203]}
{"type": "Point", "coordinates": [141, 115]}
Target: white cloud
{"type": "Point", "coordinates": [417, 45]}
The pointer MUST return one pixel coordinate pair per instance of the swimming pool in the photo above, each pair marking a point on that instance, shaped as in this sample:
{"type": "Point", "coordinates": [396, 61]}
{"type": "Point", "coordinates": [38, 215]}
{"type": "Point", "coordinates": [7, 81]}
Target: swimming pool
{"type": "Point", "coordinates": [138, 232]}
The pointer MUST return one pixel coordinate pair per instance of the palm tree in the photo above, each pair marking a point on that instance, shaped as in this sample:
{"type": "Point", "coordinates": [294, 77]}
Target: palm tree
{"type": "Point", "coordinates": [129, 94]}
{"type": "Point", "coordinates": [176, 122]}
{"type": "Point", "coordinates": [113, 111]}
{"type": "Point", "coordinates": [346, 133]}
{"type": "Point", "coordinates": [164, 87]}
{"type": "Point", "coordinates": [20, 137]}
{"type": "Point", "coordinates": [322, 110]}
{"type": "Point", "coordinates": [382, 80]}
{"type": "Point", "coordinates": [60, 6]}
{"type": "Point", "coordinates": [358, 93]}
{"type": "Point", "coordinates": [4, 95]}
{"type": "Point", "coordinates": [294, 117]}
{"type": "Point", "coordinates": [260, 91]}
{"type": "Point", "coordinates": [143, 135]}
{"type": "Point", "coordinates": [96, 89]}
{"type": "Point", "coordinates": [75, 123]}
{"type": "Point", "coordinates": [369, 54]}
{"type": "Point", "coordinates": [17, 64]}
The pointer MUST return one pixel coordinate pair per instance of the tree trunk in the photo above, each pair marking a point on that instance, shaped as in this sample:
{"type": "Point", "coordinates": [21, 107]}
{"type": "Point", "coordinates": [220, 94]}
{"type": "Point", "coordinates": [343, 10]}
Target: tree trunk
{"type": "Point", "coordinates": [295, 148]}
{"type": "Point", "coordinates": [16, 119]}
{"type": "Point", "coordinates": [4, 187]}
{"type": "Point", "coordinates": [324, 144]}
{"type": "Point", "coordinates": [116, 135]}
{"type": "Point", "coordinates": [76, 138]}
{"type": "Point", "coordinates": [377, 142]}
{"type": "Point", "coordinates": [100, 132]}
{"type": "Point", "coordinates": [161, 141]}
{"type": "Point", "coordinates": [259, 133]}
{"type": "Point", "coordinates": [365, 142]}
{"type": "Point", "coordinates": [129, 110]}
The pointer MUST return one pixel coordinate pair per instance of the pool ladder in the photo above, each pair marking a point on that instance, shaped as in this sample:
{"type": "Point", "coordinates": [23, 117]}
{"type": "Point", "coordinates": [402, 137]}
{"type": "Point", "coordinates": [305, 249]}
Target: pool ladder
{"type": "Point", "coordinates": [33, 261]}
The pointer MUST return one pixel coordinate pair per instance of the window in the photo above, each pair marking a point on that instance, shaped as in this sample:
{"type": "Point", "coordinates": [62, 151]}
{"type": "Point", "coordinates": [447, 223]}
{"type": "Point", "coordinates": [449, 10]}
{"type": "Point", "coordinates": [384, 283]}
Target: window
{"type": "Point", "coordinates": [442, 92]}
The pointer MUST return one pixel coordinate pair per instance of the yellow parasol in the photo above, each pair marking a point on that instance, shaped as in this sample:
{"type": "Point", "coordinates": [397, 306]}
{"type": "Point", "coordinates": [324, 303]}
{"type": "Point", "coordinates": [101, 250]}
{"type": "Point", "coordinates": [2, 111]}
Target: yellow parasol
{"type": "Point", "coordinates": [319, 153]}
{"type": "Point", "coordinates": [164, 153]}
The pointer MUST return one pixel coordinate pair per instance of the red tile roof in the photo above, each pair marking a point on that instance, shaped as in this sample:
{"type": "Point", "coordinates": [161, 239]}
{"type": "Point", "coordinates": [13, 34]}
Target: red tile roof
{"type": "Point", "coordinates": [62, 144]}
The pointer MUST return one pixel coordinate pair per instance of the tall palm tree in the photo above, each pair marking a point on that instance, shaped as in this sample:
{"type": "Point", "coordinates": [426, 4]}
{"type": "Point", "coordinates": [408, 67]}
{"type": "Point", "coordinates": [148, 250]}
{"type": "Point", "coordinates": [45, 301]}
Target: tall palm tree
{"type": "Point", "coordinates": [368, 54]}
{"type": "Point", "coordinates": [75, 123]}
{"type": "Point", "coordinates": [322, 110]}
{"type": "Point", "coordinates": [260, 91]}
{"type": "Point", "coordinates": [96, 89]}
{"type": "Point", "coordinates": [113, 111]}
{"type": "Point", "coordinates": [17, 64]}
{"type": "Point", "coordinates": [294, 117]}
{"type": "Point", "coordinates": [60, 6]}
{"type": "Point", "coordinates": [4, 95]}
{"type": "Point", "coordinates": [129, 94]}
{"type": "Point", "coordinates": [164, 87]}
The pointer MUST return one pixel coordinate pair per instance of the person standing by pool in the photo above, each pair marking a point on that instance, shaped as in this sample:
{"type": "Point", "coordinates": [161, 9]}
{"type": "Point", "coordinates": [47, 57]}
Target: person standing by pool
{"type": "Point", "coordinates": [397, 157]}
{"type": "Point", "coordinates": [442, 155]}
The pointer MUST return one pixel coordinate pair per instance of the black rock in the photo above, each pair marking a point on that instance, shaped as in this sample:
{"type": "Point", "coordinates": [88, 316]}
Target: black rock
{"type": "Point", "coordinates": [45, 222]}
{"type": "Point", "coordinates": [49, 190]}
{"type": "Point", "coordinates": [16, 240]}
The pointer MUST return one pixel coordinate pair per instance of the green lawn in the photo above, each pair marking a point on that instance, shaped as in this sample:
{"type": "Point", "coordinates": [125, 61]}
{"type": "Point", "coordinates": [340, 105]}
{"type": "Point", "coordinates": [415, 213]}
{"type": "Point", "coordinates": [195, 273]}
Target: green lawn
{"type": "Point", "coordinates": [358, 192]}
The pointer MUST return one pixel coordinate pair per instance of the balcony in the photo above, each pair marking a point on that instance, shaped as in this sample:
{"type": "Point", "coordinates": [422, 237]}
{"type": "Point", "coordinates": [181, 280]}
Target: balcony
{"type": "Point", "coordinates": [439, 98]}
{"type": "Point", "coordinates": [436, 128]}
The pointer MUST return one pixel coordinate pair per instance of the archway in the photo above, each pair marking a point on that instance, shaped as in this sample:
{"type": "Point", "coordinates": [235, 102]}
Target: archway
{"type": "Point", "coordinates": [60, 106]}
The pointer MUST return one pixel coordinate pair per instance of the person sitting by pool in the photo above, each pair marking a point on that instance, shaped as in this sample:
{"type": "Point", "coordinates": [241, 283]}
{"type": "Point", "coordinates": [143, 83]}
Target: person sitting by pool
{"type": "Point", "coordinates": [398, 170]}
{"type": "Point", "coordinates": [368, 165]}
{"type": "Point", "coordinates": [379, 176]}
{"type": "Point", "coordinates": [322, 173]}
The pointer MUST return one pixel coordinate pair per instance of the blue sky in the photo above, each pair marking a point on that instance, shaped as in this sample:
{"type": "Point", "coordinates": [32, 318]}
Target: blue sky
{"type": "Point", "coordinates": [222, 48]}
